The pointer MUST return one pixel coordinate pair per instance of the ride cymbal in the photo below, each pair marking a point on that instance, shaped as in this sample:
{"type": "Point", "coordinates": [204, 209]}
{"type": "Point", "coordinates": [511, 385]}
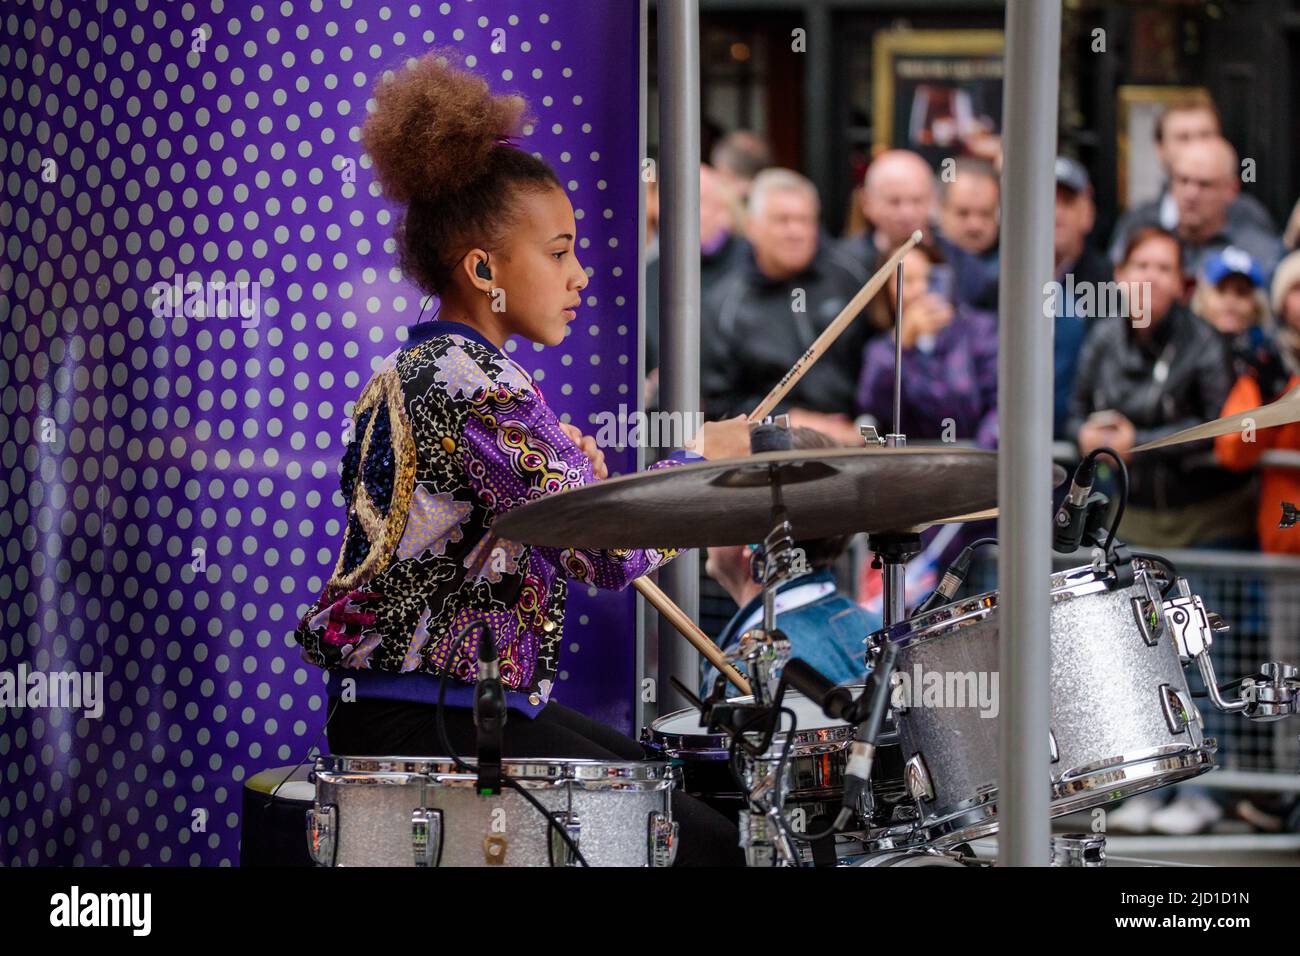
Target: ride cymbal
{"type": "Point", "coordinates": [728, 502]}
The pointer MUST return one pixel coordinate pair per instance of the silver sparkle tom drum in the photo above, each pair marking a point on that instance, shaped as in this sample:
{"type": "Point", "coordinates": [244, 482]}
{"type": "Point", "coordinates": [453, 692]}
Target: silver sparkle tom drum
{"type": "Point", "coordinates": [1122, 719]}
{"type": "Point", "coordinates": [818, 756]}
{"type": "Point", "coordinates": [423, 811]}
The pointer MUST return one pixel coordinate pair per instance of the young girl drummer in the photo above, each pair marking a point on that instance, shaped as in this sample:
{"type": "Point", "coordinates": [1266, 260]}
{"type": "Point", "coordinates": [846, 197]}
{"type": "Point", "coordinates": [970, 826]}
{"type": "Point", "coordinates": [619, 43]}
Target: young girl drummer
{"type": "Point", "coordinates": [449, 433]}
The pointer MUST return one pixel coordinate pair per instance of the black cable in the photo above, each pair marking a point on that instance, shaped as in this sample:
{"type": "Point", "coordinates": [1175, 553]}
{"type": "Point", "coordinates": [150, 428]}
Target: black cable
{"type": "Point", "coordinates": [328, 717]}
{"type": "Point", "coordinates": [1123, 496]}
{"type": "Point", "coordinates": [1163, 562]}
{"type": "Point", "coordinates": [1228, 688]}
{"type": "Point", "coordinates": [781, 763]}
{"type": "Point", "coordinates": [424, 305]}
{"type": "Point", "coordinates": [814, 837]}
{"type": "Point", "coordinates": [737, 740]}
{"type": "Point", "coordinates": [463, 767]}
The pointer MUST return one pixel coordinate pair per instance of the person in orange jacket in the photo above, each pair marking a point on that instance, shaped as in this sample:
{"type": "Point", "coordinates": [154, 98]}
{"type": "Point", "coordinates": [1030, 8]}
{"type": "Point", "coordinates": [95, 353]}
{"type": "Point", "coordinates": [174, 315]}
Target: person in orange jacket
{"type": "Point", "coordinates": [1242, 451]}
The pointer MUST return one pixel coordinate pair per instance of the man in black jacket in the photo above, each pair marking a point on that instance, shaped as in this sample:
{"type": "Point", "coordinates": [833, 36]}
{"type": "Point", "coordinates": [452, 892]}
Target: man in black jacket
{"type": "Point", "coordinates": [1147, 376]}
{"type": "Point", "coordinates": [759, 318]}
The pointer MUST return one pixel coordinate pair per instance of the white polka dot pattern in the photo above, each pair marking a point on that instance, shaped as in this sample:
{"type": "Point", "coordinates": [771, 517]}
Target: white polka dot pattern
{"type": "Point", "coordinates": [169, 497]}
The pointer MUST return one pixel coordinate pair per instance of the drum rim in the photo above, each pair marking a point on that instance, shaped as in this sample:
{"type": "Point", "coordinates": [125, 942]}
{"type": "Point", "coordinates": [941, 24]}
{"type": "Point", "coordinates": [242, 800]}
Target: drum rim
{"type": "Point", "coordinates": [699, 741]}
{"type": "Point", "coordinates": [977, 816]}
{"type": "Point", "coordinates": [1067, 585]}
{"type": "Point", "coordinates": [400, 770]}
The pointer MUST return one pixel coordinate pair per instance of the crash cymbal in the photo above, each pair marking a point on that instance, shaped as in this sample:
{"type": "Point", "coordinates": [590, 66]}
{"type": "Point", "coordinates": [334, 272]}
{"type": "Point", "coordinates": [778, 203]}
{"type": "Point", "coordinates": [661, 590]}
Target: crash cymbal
{"type": "Point", "coordinates": [829, 492]}
{"type": "Point", "coordinates": [1284, 411]}
{"type": "Point", "coordinates": [984, 515]}
{"type": "Point", "coordinates": [1059, 475]}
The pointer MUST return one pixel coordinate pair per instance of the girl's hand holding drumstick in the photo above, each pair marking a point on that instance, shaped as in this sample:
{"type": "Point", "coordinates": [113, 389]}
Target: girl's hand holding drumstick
{"type": "Point", "coordinates": [728, 438]}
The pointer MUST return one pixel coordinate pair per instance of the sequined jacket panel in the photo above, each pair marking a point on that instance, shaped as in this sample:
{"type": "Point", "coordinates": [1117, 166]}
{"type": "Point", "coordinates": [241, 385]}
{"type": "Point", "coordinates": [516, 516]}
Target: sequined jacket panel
{"type": "Point", "coordinates": [448, 434]}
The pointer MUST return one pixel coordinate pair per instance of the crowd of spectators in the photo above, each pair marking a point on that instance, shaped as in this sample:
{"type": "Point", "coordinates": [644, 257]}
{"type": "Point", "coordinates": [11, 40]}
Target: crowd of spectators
{"type": "Point", "coordinates": [1188, 312]}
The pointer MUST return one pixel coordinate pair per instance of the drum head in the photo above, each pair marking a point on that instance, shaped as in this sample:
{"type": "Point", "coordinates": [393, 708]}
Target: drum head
{"type": "Point", "coordinates": [683, 729]}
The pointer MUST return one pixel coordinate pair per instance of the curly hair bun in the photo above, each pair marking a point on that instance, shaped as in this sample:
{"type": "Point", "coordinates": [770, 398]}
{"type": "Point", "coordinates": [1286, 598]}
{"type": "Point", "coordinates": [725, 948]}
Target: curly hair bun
{"type": "Point", "coordinates": [434, 127]}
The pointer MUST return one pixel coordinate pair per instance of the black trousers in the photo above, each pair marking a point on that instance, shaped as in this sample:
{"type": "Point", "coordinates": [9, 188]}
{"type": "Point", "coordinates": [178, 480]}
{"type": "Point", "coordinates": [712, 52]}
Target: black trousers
{"type": "Point", "coordinates": [377, 727]}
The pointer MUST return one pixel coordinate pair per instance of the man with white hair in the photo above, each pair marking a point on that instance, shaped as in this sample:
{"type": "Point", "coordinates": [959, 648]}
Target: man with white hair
{"type": "Point", "coordinates": [898, 198]}
{"type": "Point", "coordinates": [1204, 182]}
{"type": "Point", "coordinates": [759, 318]}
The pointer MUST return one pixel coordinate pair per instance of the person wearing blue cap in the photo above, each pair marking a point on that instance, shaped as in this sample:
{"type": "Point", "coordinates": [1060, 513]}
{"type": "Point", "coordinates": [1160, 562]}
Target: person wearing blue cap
{"type": "Point", "coordinates": [1230, 297]}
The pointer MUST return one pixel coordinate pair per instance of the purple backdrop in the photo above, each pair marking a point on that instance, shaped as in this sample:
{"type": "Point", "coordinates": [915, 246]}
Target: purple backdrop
{"type": "Point", "coordinates": [138, 448]}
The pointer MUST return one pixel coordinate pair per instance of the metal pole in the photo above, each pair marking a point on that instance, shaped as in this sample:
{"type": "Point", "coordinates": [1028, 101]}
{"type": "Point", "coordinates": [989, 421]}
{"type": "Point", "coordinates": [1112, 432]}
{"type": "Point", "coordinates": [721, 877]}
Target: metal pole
{"type": "Point", "coordinates": [679, 288]}
{"type": "Point", "coordinates": [642, 711]}
{"type": "Point", "coordinates": [1029, 106]}
{"type": "Point", "coordinates": [894, 573]}
{"type": "Point", "coordinates": [818, 79]}
{"type": "Point", "coordinates": [898, 349]}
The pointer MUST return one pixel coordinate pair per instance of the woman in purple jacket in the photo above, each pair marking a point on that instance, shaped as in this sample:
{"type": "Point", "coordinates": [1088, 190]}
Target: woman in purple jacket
{"type": "Point", "coordinates": [950, 361]}
{"type": "Point", "coordinates": [950, 385]}
{"type": "Point", "coordinates": [450, 432]}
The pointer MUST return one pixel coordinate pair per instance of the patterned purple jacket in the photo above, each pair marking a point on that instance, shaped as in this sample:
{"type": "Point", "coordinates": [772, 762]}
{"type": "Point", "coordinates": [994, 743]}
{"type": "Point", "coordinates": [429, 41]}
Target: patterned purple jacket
{"type": "Point", "coordinates": [957, 380]}
{"type": "Point", "coordinates": [449, 433]}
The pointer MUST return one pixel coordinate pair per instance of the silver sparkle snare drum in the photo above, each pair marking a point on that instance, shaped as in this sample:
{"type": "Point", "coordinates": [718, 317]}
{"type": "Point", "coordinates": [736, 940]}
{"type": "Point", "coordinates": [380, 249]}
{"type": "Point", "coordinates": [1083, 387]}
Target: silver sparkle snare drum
{"type": "Point", "coordinates": [1122, 719]}
{"type": "Point", "coordinates": [423, 811]}
{"type": "Point", "coordinates": [818, 756]}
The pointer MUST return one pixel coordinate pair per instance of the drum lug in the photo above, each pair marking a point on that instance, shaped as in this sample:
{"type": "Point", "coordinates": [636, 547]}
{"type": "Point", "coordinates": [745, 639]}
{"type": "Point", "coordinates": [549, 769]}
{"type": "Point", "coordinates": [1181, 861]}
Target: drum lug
{"type": "Point", "coordinates": [1051, 743]}
{"type": "Point", "coordinates": [1190, 626]}
{"type": "Point", "coordinates": [1149, 612]}
{"type": "Point", "coordinates": [662, 838]}
{"type": "Point", "coordinates": [917, 776]}
{"type": "Point", "coordinates": [1079, 849]}
{"type": "Point", "coordinates": [495, 846]}
{"type": "Point", "coordinates": [322, 834]}
{"type": "Point", "coordinates": [426, 836]}
{"type": "Point", "coordinates": [1176, 709]}
{"type": "Point", "coordinates": [561, 854]}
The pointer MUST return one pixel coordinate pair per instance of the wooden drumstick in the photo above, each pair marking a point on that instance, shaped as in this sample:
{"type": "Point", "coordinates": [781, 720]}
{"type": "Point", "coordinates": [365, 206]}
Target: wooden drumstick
{"type": "Point", "coordinates": [680, 620]}
{"type": "Point", "coordinates": [847, 315]}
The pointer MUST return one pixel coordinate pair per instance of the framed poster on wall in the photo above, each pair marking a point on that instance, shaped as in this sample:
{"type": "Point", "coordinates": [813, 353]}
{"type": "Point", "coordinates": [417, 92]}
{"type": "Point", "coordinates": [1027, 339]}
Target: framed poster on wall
{"type": "Point", "coordinates": [938, 92]}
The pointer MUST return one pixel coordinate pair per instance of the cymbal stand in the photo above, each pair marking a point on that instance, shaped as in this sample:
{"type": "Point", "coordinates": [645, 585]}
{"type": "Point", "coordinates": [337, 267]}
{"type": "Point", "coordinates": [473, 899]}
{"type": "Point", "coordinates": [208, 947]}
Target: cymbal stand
{"type": "Point", "coordinates": [764, 834]}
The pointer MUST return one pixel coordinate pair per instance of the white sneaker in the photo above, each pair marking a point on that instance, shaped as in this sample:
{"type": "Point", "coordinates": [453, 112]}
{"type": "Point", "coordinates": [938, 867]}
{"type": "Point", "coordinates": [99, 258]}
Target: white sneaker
{"type": "Point", "coordinates": [1134, 814]}
{"type": "Point", "coordinates": [1192, 813]}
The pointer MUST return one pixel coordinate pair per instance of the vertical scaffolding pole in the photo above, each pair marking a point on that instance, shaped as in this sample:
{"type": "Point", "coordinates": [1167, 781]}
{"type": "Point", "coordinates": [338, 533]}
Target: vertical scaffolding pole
{"type": "Point", "coordinates": [679, 289]}
{"type": "Point", "coordinates": [1033, 38]}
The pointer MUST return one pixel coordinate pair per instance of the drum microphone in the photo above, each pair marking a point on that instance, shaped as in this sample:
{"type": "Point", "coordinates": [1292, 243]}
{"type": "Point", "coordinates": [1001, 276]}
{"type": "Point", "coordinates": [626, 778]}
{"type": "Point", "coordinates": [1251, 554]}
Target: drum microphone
{"type": "Point", "coordinates": [869, 712]}
{"type": "Point", "coordinates": [1071, 518]}
{"type": "Point", "coordinates": [953, 578]}
{"type": "Point", "coordinates": [834, 700]}
{"type": "Point", "coordinates": [489, 714]}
